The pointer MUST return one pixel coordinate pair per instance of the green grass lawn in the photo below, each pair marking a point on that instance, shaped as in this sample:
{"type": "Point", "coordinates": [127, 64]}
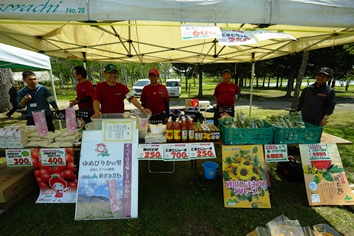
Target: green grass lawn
{"type": "Point", "coordinates": [171, 204]}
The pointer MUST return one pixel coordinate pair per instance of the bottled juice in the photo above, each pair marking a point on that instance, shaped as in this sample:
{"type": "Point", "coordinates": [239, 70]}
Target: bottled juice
{"type": "Point", "coordinates": [177, 131]}
{"type": "Point", "coordinates": [184, 130]}
{"type": "Point", "coordinates": [169, 130]}
{"type": "Point", "coordinates": [191, 132]}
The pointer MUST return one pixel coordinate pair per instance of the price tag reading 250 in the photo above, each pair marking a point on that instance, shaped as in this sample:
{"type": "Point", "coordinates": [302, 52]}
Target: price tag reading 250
{"type": "Point", "coordinates": [176, 152]}
{"type": "Point", "coordinates": [150, 152]}
{"type": "Point", "coordinates": [202, 150]}
{"type": "Point", "coordinates": [18, 157]}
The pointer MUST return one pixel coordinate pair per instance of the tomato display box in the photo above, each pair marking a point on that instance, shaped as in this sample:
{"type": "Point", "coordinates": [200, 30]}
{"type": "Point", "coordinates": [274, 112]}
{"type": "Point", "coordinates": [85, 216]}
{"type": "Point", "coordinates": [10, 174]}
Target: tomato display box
{"type": "Point", "coordinates": [13, 180]}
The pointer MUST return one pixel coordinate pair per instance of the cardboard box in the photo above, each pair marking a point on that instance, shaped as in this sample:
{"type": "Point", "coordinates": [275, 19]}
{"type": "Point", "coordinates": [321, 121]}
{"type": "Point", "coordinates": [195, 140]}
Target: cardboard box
{"type": "Point", "coordinates": [13, 180]}
{"type": "Point", "coordinates": [17, 197]}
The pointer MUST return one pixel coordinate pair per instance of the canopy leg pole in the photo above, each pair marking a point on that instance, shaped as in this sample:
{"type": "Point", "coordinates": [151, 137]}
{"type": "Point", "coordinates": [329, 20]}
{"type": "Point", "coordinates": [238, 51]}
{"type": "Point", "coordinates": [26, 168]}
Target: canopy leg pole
{"type": "Point", "coordinates": [251, 84]}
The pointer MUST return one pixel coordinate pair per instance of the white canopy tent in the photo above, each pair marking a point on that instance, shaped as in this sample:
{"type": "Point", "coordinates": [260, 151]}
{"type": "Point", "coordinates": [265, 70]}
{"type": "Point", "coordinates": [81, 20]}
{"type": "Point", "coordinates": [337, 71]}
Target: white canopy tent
{"type": "Point", "coordinates": [13, 57]}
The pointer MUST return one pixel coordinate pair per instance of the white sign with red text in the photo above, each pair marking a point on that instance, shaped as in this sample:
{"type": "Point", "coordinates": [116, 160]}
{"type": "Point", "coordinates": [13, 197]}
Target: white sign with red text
{"type": "Point", "coordinates": [276, 153]}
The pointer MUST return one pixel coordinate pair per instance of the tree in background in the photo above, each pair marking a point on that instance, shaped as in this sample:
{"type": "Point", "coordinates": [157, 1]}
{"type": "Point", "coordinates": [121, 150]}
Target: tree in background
{"type": "Point", "coordinates": [5, 84]}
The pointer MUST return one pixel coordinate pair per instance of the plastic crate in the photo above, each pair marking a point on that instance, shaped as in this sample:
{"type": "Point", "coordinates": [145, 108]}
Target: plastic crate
{"type": "Point", "coordinates": [308, 135]}
{"type": "Point", "coordinates": [246, 135]}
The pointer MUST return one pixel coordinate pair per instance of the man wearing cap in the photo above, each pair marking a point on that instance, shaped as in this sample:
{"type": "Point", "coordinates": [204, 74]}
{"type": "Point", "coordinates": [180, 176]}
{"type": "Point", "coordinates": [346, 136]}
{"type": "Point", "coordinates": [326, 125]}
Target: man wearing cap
{"type": "Point", "coordinates": [224, 96]}
{"type": "Point", "coordinates": [317, 101]}
{"type": "Point", "coordinates": [109, 95]}
{"type": "Point", "coordinates": [154, 98]}
{"type": "Point", "coordinates": [84, 92]}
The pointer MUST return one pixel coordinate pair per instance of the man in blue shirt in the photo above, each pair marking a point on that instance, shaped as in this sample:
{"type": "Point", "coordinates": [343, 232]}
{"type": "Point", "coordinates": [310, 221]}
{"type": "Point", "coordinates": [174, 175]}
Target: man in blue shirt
{"type": "Point", "coordinates": [36, 97]}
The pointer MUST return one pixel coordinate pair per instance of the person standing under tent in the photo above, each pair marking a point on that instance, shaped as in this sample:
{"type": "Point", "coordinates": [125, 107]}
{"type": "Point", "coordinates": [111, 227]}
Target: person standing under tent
{"type": "Point", "coordinates": [317, 101]}
{"type": "Point", "coordinates": [155, 99]}
{"type": "Point", "coordinates": [36, 97]}
{"type": "Point", "coordinates": [13, 99]}
{"type": "Point", "coordinates": [224, 96]}
{"type": "Point", "coordinates": [109, 95]}
{"type": "Point", "coordinates": [84, 92]}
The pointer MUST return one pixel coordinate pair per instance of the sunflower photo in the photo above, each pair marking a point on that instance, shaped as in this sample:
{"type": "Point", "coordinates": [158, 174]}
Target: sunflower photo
{"type": "Point", "coordinates": [244, 177]}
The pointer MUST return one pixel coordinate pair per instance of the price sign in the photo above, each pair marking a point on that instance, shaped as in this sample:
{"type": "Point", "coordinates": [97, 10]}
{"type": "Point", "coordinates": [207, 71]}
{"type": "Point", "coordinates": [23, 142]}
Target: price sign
{"type": "Point", "coordinates": [200, 32]}
{"type": "Point", "coordinates": [53, 157]}
{"type": "Point", "coordinates": [176, 152]}
{"type": "Point", "coordinates": [276, 153]}
{"type": "Point", "coordinates": [236, 37]}
{"type": "Point", "coordinates": [202, 150]}
{"type": "Point", "coordinates": [318, 152]}
{"type": "Point", "coordinates": [18, 157]}
{"type": "Point", "coordinates": [150, 152]}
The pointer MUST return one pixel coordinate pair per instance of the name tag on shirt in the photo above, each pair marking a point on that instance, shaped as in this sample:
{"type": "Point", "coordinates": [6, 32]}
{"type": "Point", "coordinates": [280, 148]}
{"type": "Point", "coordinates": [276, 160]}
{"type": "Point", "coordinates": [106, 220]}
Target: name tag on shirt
{"type": "Point", "coordinates": [33, 104]}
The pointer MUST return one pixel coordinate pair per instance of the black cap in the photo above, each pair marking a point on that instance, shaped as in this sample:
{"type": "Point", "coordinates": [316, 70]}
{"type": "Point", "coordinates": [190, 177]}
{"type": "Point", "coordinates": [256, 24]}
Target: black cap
{"type": "Point", "coordinates": [226, 71]}
{"type": "Point", "coordinates": [327, 71]}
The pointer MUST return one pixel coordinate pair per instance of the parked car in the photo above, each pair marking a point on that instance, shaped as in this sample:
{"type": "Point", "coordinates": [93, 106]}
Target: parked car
{"type": "Point", "coordinates": [138, 86]}
{"type": "Point", "coordinates": [174, 87]}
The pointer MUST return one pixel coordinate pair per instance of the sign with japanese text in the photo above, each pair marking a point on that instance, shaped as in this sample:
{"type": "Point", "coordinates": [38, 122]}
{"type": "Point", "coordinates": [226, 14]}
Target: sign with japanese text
{"type": "Point", "coordinates": [201, 151]}
{"type": "Point", "coordinates": [18, 157]}
{"type": "Point", "coordinates": [276, 152]}
{"type": "Point", "coordinates": [52, 156]}
{"type": "Point", "coordinates": [325, 179]}
{"type": "Point", "coordinates": [55, 173]}
{"type": "Point", "coordinates": [266, 35]}
{"type": "Point", "coordinates": [41, 123]}
{"type": "Point", "coordinates": [244, 177]}
{"type": "Point", "coordinates": [200, 32]}
{"type": "Point", "coordinates": [236, 37]}
{"type": "Point", "coordinates": [108, 174]}
{"type": "Point", "coordinates": [176, 152]}
{"type": "Point", "coordinates": [150, 152]}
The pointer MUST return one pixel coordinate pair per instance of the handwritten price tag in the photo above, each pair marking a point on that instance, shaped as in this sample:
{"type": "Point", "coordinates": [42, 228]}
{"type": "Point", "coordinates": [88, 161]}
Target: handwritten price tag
{"type": "Point", "coordinates": [276, 153]}
{"type": "Point", "coordinates": [18, 157]}
{"type": "Point", "coordinates": [150, 152]}
{"type": "Point", "coordinates": [53, 157]}
{"type": "Point", "coordinates": [202, 150]}
{"type": "Point", "coordinates": [176, 152]}
{"type": "Point", "coordinates": [200, 32]}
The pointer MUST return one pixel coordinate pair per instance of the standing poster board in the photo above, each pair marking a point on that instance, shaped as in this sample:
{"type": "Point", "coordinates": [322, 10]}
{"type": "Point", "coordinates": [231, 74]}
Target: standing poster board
{"type": "Point", "coordinates": [244, 177]}
{"type": "Point", "coordinates": [325, 179]}
{"type": "Point", "coordinates": [108, 172]}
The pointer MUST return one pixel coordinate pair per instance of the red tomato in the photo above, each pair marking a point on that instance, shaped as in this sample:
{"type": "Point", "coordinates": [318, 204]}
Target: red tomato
{"type": "Point", "coordinates": [69, 151]}
{"type": "Point", "coordinates": [43, 185]}
{"type": "Point", "coordinates": [69, 158]}
{"type": "Point", "coordinates": [45, 177]}
{"type": "Point", "coordinates": [56, 169]}
{"type": "Point", "coordinates": [61, 175]}
{"type": "Point", "coordinates": [43, 171]}
{"type": "Point", "coordinates": [37, 173]}
{"type": "Point", "coordinates": [69, 175]}
{"type": "Point", "coordinates": [35, 153]}
{"type": "Point", "coordinates": [70, 166]}
{"type": "Point", "coordinates": [38, 179]}
{"type": "Point", "coordinates": [325, 164]}
{"type": "Point", "coordinates": [35, 163]}
{"type": "Point", "coordinates": [72, 185]}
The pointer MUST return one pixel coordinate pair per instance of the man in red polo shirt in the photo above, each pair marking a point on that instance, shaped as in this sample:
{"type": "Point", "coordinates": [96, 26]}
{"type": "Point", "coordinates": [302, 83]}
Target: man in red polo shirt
{"type": "Point", "coordinates": [154, 98]}
{"type": "Point", "coordinates": [109, 95]}
{"type": "Point", "coordinates": [84, 92]}
{"type": "Point", "coordinates": [224, 96]}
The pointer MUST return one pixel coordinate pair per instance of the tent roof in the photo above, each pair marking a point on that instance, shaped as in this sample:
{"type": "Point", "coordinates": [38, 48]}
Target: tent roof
{"type": "Point", "coordinates": [13, 57]}
{"type": "Point", "coordinates": [149, 31]}
{"type": "Point", "coordinates": [40, 75]}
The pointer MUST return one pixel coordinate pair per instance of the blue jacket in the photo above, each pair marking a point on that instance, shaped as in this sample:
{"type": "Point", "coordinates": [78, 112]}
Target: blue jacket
{"type": "Point", "coordinates": [315, 103]}
{"type": "Point", "coordinates": [41, 98]}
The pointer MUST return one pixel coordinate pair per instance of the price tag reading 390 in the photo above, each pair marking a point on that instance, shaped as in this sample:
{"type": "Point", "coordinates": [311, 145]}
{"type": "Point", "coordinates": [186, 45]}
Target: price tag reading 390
{"type": "Point", "coordinates": [18, 157]}
{"type": "Point", "coordinates": [176, 152]}
{"type": "Point", "coordinates": [150, 152]}
{"type": "Point", "coordinates": [53, 157]}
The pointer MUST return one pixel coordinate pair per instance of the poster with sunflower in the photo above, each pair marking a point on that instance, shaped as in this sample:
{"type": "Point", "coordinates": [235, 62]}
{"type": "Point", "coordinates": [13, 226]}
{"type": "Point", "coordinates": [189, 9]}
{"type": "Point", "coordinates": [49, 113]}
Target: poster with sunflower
{"type": "Point", "coordinates": [244, 177]}
{"type": "Point", "coordinates": [325, 179]}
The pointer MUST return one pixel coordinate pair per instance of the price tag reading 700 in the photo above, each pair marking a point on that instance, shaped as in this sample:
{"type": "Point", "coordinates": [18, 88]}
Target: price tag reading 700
{"type": "Point", "coordinates": [176, 152]}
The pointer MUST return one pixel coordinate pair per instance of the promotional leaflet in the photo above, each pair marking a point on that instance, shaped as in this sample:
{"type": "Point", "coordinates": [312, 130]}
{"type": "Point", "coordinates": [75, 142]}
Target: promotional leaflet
{"type": "Point", "coordinates": [55, 173]}
{"type": "Point", "coordinates": [108, 173]}
{"type": "Point", "coordinates": [325, 179]}
{"type": "Point", "coordinates": [244, 177]}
